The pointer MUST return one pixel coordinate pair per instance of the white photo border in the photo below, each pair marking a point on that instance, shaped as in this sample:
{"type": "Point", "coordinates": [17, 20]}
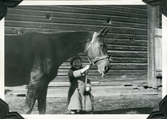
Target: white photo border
{"type": "Point", "coordinates": [81, 2]}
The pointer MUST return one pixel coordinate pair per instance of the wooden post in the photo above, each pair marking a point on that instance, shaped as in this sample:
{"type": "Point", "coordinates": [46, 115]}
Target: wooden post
{"type": "Point", "coordinates": [153, 22]}
{"type": "Point", "coordinates": [158, 55]}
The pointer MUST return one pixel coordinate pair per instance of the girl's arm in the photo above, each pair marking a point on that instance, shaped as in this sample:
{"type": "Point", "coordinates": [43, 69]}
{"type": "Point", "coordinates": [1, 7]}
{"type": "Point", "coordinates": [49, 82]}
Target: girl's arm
{"type": "Point", "coordinates": [80, 72]}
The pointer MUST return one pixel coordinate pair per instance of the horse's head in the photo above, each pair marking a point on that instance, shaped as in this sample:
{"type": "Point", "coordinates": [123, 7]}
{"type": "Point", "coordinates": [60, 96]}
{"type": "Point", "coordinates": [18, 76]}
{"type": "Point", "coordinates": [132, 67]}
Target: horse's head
{"type": "Point", "coordinates": [96, 50]}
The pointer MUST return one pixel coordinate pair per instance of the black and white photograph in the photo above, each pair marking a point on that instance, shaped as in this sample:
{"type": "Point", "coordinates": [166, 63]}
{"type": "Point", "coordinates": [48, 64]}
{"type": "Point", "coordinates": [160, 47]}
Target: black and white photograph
{"type": "Point", "coordinates": [83, 59]}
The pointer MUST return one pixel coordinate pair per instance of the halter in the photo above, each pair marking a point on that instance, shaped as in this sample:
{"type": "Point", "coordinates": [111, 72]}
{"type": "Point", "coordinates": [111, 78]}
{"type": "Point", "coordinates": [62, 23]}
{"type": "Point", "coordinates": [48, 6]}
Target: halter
{"type": "Point", "coordinates": [97, 58]}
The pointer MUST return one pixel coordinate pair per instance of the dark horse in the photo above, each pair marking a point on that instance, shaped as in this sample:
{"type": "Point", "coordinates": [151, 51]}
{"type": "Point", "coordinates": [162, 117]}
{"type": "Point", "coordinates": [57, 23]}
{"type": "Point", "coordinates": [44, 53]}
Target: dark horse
{"type": "Point", "coordinates": [34, 59]}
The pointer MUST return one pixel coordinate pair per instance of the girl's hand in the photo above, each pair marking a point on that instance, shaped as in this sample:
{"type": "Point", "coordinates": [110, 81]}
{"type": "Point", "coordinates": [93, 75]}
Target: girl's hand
{"type": "Point", "coordinates": [85, 68]}
{"type": "Point", "coordinates": [88, 89]}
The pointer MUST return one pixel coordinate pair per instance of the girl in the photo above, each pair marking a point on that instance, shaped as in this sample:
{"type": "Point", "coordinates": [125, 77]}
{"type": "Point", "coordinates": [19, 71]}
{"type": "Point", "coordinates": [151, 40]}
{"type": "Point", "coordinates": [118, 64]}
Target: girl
{"type": "Point", "coordinates": [80, 99]}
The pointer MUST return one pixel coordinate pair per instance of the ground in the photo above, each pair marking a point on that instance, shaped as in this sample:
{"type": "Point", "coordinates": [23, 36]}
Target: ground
{"type": "Point", "coordinates": [114, 97]}
{"type": "Point", "coordinates": [118, 104]}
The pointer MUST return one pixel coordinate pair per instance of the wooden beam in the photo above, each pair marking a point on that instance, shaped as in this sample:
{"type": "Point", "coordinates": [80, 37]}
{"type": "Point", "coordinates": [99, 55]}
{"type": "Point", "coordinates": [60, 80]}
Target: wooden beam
{"type": "Point", "coordinates": [158, 55]}
{"type": "Point", "coordinates": [158, 52]}
{"type": "Point", "coordinates": [153, 22]}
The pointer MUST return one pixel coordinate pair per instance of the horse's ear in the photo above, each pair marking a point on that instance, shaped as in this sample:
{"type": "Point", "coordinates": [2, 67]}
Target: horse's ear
{"type": "Point", "coordinates": [103, 32]}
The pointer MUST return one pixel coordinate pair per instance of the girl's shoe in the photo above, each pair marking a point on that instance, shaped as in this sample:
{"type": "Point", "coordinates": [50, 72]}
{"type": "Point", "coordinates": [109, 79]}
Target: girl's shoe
{"type": "Point", "coordinates": [73, 111]}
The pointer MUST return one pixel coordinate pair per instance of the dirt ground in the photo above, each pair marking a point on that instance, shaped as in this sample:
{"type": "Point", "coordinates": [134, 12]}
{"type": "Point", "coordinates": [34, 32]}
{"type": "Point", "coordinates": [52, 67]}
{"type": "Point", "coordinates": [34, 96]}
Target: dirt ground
{"type": "Point", "coordinates": [125, 104]}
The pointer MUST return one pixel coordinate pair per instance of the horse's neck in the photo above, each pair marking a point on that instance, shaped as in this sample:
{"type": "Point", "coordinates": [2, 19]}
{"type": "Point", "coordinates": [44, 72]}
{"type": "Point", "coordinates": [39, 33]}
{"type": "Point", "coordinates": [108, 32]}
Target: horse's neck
{"type": "Point", "coordinates": [70, 44]}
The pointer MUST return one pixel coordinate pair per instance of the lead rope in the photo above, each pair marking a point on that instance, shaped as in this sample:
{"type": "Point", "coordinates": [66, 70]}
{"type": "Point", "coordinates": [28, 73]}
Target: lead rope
{"type": "Point", "coordinates": [91, 96]}
{"type": "Point", "coordinates": [86, 80]}
{"type": "Point", "coordinates": [90, 62]}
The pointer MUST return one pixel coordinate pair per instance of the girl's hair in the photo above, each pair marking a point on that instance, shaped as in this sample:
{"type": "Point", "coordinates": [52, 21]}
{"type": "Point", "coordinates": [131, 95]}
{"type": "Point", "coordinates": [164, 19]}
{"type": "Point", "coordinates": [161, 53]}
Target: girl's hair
{"type": "Point", "coordinates": [75, 58]}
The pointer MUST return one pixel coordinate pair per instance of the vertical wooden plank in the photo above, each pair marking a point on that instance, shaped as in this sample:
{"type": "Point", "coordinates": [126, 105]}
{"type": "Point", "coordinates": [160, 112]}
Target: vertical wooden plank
{"type": "Point", "coordinates": [158, 49]}
{"type": "Point", "coordinates": [153, 22]}
{"type": "Point", "coordinates": [158, 55]}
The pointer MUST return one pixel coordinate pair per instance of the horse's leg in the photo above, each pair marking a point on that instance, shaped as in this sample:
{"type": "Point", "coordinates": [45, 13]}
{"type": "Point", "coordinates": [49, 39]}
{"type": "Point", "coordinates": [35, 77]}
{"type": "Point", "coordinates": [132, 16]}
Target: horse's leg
{"type": "Point", "coordinates": [37, 91]}
{"type": "Point", "coordinates": [42, 99]}
{"type": "Point", "coordinates": [41, 74]}
{"type": "Point", "coordinates": [44, 86]}
{"type": "Point", "coordinates": [34, 87]}
{"type": "Point", "coordinates": [30, 99]}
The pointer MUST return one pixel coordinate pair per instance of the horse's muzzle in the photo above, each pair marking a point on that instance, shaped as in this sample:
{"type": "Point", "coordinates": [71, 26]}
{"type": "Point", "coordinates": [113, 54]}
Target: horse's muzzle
{"type": "Point", "coordinates": [107, 68]}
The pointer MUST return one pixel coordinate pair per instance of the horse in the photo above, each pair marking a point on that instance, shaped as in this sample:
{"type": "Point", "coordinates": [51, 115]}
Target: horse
{"type": "Point", "coordinates": [33, 59]}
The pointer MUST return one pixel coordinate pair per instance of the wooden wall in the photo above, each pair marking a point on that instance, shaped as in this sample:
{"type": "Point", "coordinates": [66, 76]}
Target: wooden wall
{"type": "Point", "coordinates": [126, 40]}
